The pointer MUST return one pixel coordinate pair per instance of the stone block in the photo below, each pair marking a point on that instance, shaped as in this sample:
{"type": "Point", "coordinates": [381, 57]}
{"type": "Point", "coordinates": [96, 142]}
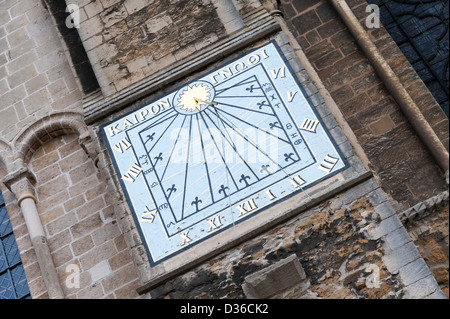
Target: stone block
{"type": "Point", "coordinates": [82, 245]}
{"type": "Point", "coordinates": [93, 8]}
{"type": "Point", "coordinates": [36, 83]}
{"type": "Point", "coordinates": [438, 294]}
{"type": "Point", "coordinates": [384, 227]}
{"type": "Point", "coordinates": [382, 126]}
{"type": "Point", "coordinates": [97, 254]}
{"type": "Point", "coordinates": [422, 288]}
{"type": "Point", "coordinates": [100, 271]}
{"type": "Point", "coordinates": [275, 279]}
{"type": "Point", "coordinates": [113, 15]}
{"type": "Point", "coordinates": [414, 271]}
{"type": "Point", "coordinates": [306, 22]}
{"type": "Point", "coordinates": [86, 226]}
{"type": "Point", "coordinates": [400, 257]}
{"type": "Point", "coordinates": [90, 27]}
{"type": "Point", "coordinates": [22, 76]}
{"type": "Point", "coordinates": [120, 278]}
{"type": "Point", "coordinates": [385, 209]}
{"type": "Point", "coordinates": [133, 6]}
{"type": "Point", "coordinates": [61, 223]}
{"type": "Point", "coordinates": [396, 239]}
{"type": "Point", "coordinates": [37, 101]}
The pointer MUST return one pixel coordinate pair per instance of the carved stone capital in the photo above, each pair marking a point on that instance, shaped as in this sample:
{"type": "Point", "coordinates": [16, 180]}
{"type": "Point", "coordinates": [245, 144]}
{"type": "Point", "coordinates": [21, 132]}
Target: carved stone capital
{"type": "Point", "coordinates": [21, 183]}
{"type": "Point", "coordinates": [273, 7]}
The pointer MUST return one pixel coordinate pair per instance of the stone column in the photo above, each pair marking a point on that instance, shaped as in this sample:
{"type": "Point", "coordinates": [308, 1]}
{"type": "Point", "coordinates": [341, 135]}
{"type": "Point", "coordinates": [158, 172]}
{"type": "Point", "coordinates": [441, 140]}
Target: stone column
{"type": "Point", "coordinates": [229, 15]}
{"type": "Point", "coordinates": [20, 183]}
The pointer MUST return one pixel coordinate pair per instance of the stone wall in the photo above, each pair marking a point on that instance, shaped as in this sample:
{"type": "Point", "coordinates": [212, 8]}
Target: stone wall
{"type": "Point", "coordinates": [127, 41]}
{"type": "Point", "coordinates": [80, 226]}
{"type": "Point", "coordinates": [35, 76]}
{"type": "Point", "coordinates": [342, 244]}
{"type": "Point", "coordinates": [37, 82]}
{"type": "Point", "coordinates": [405, 169]}
{"type": "Point", "coordinates": [427, 223]}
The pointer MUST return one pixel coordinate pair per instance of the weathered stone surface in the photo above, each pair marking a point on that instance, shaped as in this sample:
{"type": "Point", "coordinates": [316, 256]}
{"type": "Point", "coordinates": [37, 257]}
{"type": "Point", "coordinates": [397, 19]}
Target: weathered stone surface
{"type": "Point", "coordinates": [427, 222]}
{"type": "Point", "coordinates": [330, 245]}
{"type": "Point", "coordinates": [371, 112]}
{"type": "Point", "coordinates": [275, 279]}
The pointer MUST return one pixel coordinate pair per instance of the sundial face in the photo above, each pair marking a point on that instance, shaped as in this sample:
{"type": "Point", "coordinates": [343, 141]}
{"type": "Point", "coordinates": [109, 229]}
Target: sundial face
{"type": "Point", "coordinates": [219, 150]}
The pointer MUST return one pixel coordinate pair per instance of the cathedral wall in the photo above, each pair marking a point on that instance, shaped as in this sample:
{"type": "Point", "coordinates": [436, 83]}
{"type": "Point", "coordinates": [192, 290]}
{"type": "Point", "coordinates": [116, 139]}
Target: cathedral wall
{"type": "Point", "coordinates": [344, 238]}
{"type": "Point", "coordinates": [401, 161]}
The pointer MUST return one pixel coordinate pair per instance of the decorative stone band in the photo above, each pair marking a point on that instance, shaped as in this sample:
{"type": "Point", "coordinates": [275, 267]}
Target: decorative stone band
{"type": "Point", "coordinates": [423, 209]}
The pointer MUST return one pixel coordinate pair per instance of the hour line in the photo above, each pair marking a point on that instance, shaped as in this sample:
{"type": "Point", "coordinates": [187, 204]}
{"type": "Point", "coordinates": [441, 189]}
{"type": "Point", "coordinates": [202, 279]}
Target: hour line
{"type": "Point", "coordinates": [204, 156]}
{"type": "Point", "coordinates": [218, 149]}
{"type": "Point", "coordinates": [173, 148]}
{"type": "Point", "coordinates": [232, 144]}
{"type": "Point", "coordinates": [250, 124]}
{"type": "Point", "coordinates": [187, 167]}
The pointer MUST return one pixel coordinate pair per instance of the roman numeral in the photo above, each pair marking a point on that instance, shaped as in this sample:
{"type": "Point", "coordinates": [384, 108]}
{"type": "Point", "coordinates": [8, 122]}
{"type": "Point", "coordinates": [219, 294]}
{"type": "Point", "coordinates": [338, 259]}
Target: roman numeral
{"type": "Point", "coordinates": [246, 207]}
{"type": "Point", "coordinates": [123, 145]}
{"type": "Point", "coordinates": [291, 95]}
{"type": "Point", "coordinates": [279, 71]}
{"type": "Point", "coordinates": [185, 238]}
{"type": "Point", "coordinates": [328, 163]}
{"type": "Point", "coordinates": [309, 125]}
{"type": "Point", "coordinates": [214, 223]}
{"type": "Point", "coordinates": [148, 216]}
{"type": "Point", "coordinates": [132, 173]}
{"type": "Point", "coordinates": [270, 195]}
{"type": "Point", "coordinates": [297, 181]}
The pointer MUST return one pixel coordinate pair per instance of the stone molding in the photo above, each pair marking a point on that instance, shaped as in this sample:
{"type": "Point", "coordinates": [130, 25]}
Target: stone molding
{"type": "Point", "coordinates": [46, 128]}
{"type": "Point", "coordinates": [15, 156]}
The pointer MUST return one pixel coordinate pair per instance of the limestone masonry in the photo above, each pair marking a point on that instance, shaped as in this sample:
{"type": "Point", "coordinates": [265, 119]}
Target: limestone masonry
{"type": "Point", "coordinates": [374, 227]}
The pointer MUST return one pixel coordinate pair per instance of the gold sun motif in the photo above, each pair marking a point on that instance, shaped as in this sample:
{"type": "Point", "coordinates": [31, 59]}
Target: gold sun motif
{"type": "Point", "coordinates": [193, 96]}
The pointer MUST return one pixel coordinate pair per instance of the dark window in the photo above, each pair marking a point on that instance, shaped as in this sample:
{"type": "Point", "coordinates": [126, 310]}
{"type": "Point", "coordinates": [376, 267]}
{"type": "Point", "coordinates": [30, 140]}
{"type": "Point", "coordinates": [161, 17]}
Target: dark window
{"type": "Point", "coordinates": [420, 29]}
{"type": "Point", "coordinates": [13, 283]}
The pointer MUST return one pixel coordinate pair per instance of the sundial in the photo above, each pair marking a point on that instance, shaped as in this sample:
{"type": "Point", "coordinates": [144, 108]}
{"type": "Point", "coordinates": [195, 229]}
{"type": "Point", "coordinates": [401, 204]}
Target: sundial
{"type": "Point", "coordinates": [219, 150]}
